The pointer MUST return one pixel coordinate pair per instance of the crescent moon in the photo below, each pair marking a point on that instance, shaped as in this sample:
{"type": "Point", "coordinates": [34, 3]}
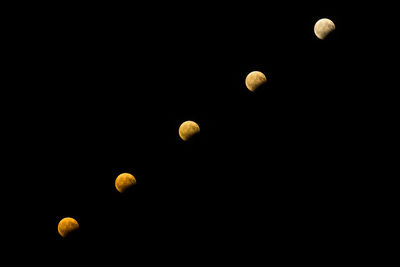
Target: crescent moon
{"type": "Point", "coordinates": [323, 28]}
{"type": "Point", "coordinates": [124, 181]}
{"type": "Point", "coordinates": [67, 226]}
{"type": "Point", "coordinates": [188, 129]}
{"type": "Point", "coordinates": [255, 80]}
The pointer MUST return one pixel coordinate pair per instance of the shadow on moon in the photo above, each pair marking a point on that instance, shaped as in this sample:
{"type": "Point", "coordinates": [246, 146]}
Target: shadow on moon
{"type": "Point", "coordinates": [73, 236]}
{"type": "Point", "coordinates": [261, 89]}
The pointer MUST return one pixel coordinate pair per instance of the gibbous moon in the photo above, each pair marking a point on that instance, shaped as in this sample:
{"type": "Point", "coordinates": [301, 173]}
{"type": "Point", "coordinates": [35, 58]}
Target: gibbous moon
{"type": "Point", "coordinates": [254, 80]}
{"type": "Point", "coordinates": [124, 181]}
{"type": "Point", "coordinates": [188, 129]}
{"type": "Point", "coordinates": [67, 226]}
{"type": "Point", "coordinates": [323, 28]}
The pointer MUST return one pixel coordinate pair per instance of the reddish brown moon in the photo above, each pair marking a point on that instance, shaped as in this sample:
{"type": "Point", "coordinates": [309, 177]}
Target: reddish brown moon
{"type": "Point", "coordinates": [124, 182]}
{"type": "Point", "coordinates": [67, 226]}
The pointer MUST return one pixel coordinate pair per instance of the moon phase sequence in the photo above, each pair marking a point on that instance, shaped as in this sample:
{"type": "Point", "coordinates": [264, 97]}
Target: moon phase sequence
{"type": "Point", "coordinates": [188, 129]}
{"type": "Point", "coordinates": [124, 182]}
{"type": "Point", "coordinates": [67, 226]}
{"type": "Point", "coordinates": [255, 80]}
{"type": "Point", "coordinates": [323, 28]}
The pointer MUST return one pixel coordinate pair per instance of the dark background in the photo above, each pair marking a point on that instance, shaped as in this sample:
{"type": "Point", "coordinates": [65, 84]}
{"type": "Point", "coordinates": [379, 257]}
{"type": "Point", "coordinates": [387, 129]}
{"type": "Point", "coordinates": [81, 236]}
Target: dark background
{"type": "Point", "coordinates": [274, 176]}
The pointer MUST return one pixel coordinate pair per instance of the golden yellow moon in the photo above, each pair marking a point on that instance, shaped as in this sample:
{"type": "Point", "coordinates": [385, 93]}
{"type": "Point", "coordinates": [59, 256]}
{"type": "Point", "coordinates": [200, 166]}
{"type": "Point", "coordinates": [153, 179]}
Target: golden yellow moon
{"type": "Point", "coordinates": [323, 28]}
{"type": "Point", "coordinates": [188, 129]}
{"type": "Point", "coordinates": [67, 226]}
{"type": "Point", "coordinates": [124, 181]}
{"type": "Point", "coordinates": [254, 80]}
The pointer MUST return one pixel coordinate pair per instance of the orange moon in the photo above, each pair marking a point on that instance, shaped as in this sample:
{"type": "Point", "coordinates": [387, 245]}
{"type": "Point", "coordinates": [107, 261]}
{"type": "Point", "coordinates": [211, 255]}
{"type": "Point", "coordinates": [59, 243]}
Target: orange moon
{"type": "Point", "coordinates": [124, 181]}
{"type": "Point", "coordinates": [67, 226]}
{"type": "Point", "coordinates": [254, 80]}
{"type": "Point", "coordinates": [323, 28]}
{"type": "Point", "coordinates": [188, 129]}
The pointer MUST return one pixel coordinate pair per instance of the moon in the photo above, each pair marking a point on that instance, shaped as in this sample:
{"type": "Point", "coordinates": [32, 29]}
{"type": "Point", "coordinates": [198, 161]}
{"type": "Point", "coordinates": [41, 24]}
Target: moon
{"type": "Point", "coordinates": [67, 226]}
{"type": "Point", "coordinates": [323, 28]}
{"type": "Point", "coordinates": [254, 80]}
{"type": "Point", "coordinates": [188, 129]}
{"type": "Point", "coordinates": [124, 182]}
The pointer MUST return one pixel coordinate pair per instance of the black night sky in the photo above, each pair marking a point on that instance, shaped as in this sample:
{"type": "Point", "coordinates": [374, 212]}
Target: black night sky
{"type": "Point", "coordinates": [271, 179]}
